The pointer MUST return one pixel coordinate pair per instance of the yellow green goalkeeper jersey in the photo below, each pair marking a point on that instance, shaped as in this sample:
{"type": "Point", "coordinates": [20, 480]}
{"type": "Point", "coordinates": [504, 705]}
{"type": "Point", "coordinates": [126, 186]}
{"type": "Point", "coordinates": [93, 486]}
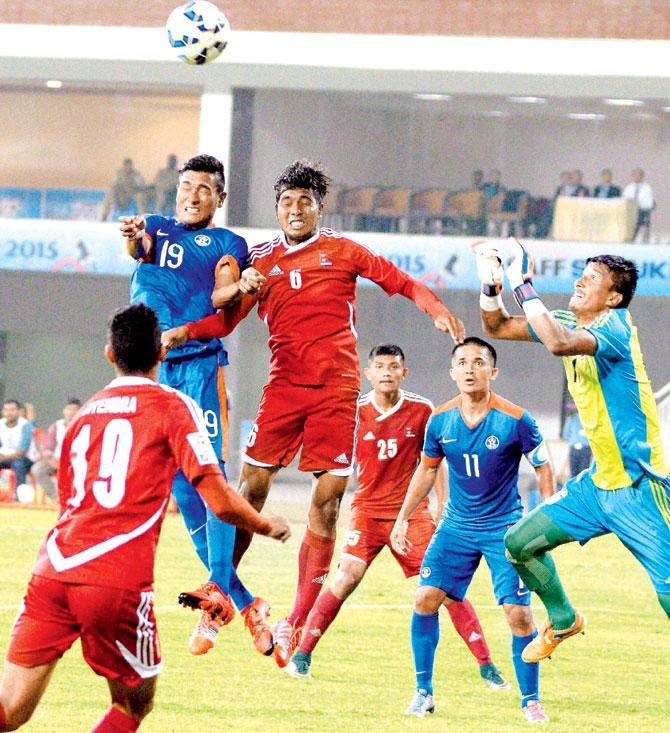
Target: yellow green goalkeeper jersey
{"type": "Point", "coordinates": [615, 401]}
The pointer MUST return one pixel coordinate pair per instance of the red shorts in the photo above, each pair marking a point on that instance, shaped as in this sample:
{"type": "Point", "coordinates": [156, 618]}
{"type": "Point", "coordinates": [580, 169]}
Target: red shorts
{"type": "Point", "coordinates": [321, 419]}
{"type": "Point", "coordinates": [117, 629]}
{"type": "Point", "coordinates": [367, 537]}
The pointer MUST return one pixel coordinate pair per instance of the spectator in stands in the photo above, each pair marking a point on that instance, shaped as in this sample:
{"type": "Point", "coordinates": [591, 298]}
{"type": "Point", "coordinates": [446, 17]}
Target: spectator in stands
{"type": "Point", "coordinates": [579, 188]}
{"type": "Point", "coordinates": [606, 189]}
{"type": "Point", "coordinates": [46, 467]}
{"type": "Point", "coordinates": [639, 190]}
{"type": "Point", "coordinates": [165, 187]}
{"type": "Point", "coordinates": [493, 187]}
{"type": "Point", "coordinates": [565, 188]}
{"type": "Point", "coordinates": [579, 451]}
{"type": "Point", "coordinates": [15, 437]}
{"type": "Point", "coordinates": [127, 194]}
{"type": "Point", "coordinates": [477, 180]}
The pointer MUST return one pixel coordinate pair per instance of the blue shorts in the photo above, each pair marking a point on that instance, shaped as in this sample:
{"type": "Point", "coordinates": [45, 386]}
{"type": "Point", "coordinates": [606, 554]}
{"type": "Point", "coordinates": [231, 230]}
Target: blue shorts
{"type": "Point", "coordinates": [638, 515]}
{"type": "Point", "coordinates": [201, 377]}
{"type": "Point", "coordinates": [453, 556]}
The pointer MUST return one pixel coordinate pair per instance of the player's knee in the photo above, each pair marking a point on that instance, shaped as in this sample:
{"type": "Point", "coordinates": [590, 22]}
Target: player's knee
{"type": "Point", "coordinates": [520, 619]}
{"type": "Point", "coordinates": [428, 599]}
{"type": "Point", "coordinates": [17, 715]}
{"type": "Point", "coordinates": [514, 547]}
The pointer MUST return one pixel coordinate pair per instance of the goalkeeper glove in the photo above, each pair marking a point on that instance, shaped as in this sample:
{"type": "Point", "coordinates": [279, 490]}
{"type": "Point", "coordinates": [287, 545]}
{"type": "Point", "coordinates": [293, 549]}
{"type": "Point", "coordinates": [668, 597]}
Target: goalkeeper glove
{"type": "Point", "coordinates": [520, 272]}
{"type": "Point", "coordinates": [489, 267]}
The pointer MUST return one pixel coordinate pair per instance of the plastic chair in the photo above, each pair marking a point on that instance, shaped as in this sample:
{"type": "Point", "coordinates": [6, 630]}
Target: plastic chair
{"type": "Point", "coordinates": [358, 208]}
{"type": "Point", "coordinates": [392, 209]}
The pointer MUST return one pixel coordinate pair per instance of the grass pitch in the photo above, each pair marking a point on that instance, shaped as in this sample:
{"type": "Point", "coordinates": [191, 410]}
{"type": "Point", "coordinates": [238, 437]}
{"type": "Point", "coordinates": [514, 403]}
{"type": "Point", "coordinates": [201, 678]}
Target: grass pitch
{"type": "Point", "coordinates": [613, 679]}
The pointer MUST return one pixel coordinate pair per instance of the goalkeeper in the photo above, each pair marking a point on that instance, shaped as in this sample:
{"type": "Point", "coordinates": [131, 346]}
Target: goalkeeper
{"type": "Point", "coordinates": [626, 491]}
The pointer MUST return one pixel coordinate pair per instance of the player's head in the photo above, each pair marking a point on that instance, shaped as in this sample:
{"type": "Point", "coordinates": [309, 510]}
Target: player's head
{"type": "Point", "coordinates": [299, 192]}
{"type": "Point", "coordinates": [607, 281]}
{"type": "Point", "coordinates": [10, 411]}
{"type": "Point", "coordinates": [473, 365]}
{"type": "Point", "coordinates": [386, 369]}
{"type": "Point", "coordinates": [71, 408]}
{"type": "Point", "coordinates": [200, 192]}
{"type": "Point", "coordinates": [134, 340]}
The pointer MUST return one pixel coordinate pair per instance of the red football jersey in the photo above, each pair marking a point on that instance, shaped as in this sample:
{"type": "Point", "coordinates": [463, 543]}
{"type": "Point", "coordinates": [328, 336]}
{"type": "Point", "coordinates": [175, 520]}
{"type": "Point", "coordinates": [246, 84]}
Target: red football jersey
{"type": "Point", "coordinates": [117, 463]}
{"type": "Point", "coordinates": [388, 449]}
{"type": "Point", "coordinates": [309, 305]}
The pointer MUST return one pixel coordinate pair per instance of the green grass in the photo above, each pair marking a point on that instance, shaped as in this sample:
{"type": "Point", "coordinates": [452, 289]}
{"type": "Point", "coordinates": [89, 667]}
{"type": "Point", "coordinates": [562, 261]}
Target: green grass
{"type": "Point", "coordinates": [613, 679]}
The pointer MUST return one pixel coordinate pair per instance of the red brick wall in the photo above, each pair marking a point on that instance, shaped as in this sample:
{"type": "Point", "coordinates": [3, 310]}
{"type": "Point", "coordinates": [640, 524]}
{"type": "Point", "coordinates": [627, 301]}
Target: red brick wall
{"type": "Point", "coordinates": [543, 18]}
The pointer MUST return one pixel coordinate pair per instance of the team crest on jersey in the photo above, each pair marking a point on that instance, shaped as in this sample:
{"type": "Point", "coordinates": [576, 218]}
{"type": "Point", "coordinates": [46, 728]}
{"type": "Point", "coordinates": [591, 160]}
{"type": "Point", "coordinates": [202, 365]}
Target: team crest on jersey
{"type": "Point", "coordinates": [276, 270]}
{"type": "Point", "coordinates": [202, 240]}
{"type": "Point", "coordinates": [425, 572]}
{"type": "Point", "coordinates": [369, 435]}
{"type": "Point", "coordinates": [492, 442]}
{"type": "Point", "coordinates": [409, 432]}
{"type": "Point", "coordinates": [324, 260]}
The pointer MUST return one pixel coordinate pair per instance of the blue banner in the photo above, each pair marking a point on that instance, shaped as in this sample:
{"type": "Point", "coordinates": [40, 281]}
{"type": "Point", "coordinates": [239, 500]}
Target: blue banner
{"type": "Point", "coordinates": [97, 248]}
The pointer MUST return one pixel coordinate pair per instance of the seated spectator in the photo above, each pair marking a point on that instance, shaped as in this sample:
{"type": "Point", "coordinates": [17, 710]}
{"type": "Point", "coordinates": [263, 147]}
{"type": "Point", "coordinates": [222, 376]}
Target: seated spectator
{"type": "Point", "coordinates": [579, 188]}
{"type": "Point", "coordinates": [565, 188]}
{"type": "Point", "coordinates": [579, 450]}
{"type": "Point", "coordinates": [477, 180]}
{"type": "Point", "coordinates": [15, 436]}
{"type": "Point", "coordinates": [46, 467]}
{"type": "Point", "coordinates": [165, 187]}
{"type": "Point", "coordinates": [493, 186]}
{"type": "Point", "coordinates": [639, 190]}
{"type": "Point", "coordinates": [127, 194]}
{"type": "Point", "coordinates": [606, 189]}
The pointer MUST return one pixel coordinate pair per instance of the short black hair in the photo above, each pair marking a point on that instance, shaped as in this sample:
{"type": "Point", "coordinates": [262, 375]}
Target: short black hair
{"type": "Point", "coordinates": [12, 402]}
{"type": "Point", "coordinates": [206, 164]}
{"type": "Point", "coordinates": [303, 174]}
{"type": "Point", "coordinates": [135, 338]}
{"type": "Point", "coordinates": [386, 350]}
{"type": "Point", "coordinates": [624, 275]}
{"type": "Point", "coordinates": [479, 342]}
{"type": "Point", "coordinates": [73, 401]}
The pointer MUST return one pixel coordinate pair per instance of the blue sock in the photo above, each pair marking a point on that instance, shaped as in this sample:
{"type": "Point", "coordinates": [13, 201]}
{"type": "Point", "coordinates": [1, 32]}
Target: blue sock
{"type": "Point", "coordinates": [425, 634]}
{"type": "Point", "coordinates": [527, 674]}
{"type": "Point", "coordinates": [220, 542]}
{"type": "Point", "coordinates": [193, 512]}
{"type": "Point", "coordinates": [238, 592]}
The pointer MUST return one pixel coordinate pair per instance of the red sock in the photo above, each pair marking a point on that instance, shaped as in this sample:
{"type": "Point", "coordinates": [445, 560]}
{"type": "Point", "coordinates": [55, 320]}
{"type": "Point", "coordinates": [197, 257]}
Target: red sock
{"type": "Point", "coordinates": [320, 618]}
{"type": "Point", "coordinates": [3, 718]}
{"type": "Point", "coordinates": [314, 558]}
{"type": "Point", "coordinates": [465, 621]}
{"type": "Point", "coordinates": [116, 721]}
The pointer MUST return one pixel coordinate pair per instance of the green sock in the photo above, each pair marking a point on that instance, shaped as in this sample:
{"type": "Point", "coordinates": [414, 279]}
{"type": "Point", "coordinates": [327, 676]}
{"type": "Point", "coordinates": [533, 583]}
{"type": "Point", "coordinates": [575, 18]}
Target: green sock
{"type": "Point", "coordinates": [527, 543]}
{"type": "Point", "coordinates": [664, 600]}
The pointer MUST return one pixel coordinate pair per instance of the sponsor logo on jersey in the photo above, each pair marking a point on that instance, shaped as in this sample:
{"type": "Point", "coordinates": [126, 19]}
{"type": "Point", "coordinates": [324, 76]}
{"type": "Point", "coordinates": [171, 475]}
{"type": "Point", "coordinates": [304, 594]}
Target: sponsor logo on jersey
{"type": "Point", "coordinates": [162, 234]}
{"type": "Point", "coordinates": [449, 440]}
{"type": "Point", "coordinates": [425, 572]}
{"type": "Point", "coordinates": [492, 442]}
{"type": "Point", "coordinates": [321, 579]}
{"type": "Point", "coordinates": [202, 240]}
{"type": "Point", "coordinates": [369, 435]}
{"type": "Point", "coordinates": [203, 449]}
{"type": "Point", "coordinates": [276, 270]}
{"type": "Point", "coordinates": [324, 260]}
{"type": "Point", "coordinates": [342, 458]}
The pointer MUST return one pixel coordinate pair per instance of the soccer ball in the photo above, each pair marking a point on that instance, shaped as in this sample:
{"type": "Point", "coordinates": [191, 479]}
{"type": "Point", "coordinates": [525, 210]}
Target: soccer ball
{"type": "Point", "coordinates": [198, 31]}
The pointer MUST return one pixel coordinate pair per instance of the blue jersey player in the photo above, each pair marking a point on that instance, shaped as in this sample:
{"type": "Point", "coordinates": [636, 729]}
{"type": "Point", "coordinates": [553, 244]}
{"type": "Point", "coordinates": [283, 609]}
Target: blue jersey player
{"type": "Point", "coordinates": [626, 490]}
{"type": "Point", "coordinates": [186, 269]}
{"type": "Point", "coordinates": [483, 438]}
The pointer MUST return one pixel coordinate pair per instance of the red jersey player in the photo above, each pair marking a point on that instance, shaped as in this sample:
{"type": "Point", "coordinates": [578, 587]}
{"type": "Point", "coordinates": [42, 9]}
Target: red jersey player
{"type": "Point", "coordinates": [94, 572]}
{"type": "Point", "coordinates": [307, 299]}
{"type": "Point", "coordinates": [389, 439]}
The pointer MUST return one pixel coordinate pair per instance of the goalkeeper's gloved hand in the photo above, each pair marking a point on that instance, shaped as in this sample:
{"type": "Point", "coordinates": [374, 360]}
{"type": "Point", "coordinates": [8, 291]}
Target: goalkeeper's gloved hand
{"type": "Point", "coordinates": [489, 267]}
{"type": "Point", "coordinates": [520, 272]}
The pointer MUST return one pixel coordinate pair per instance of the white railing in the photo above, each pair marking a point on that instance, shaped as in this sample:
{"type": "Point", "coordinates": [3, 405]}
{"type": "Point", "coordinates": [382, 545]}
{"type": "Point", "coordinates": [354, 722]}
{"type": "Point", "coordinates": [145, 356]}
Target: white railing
{"type": "Point", "coordinates": [663, 403]}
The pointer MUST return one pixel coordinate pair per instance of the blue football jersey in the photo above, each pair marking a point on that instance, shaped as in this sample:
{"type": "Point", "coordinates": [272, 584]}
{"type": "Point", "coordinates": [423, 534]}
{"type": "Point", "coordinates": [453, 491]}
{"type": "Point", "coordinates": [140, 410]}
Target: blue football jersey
{"type": "Point", "coordinates": [177, 277]}
{"type": "Point", "coordinates": [483, 460]}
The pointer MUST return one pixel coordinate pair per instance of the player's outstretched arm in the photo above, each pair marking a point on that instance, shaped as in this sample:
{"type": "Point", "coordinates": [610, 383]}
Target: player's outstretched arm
{"type": "Point", "coordinates": [559, 340]}
{"type": "Point", "coordinates": [228, 289]}
{"type": "Point", "coordinates": [546, 480]}
{"type": "Point", "coordinates": [138, 243]}
{"type": "Point", "coordinates": [232, 508]}
{"type": "Point", "coordinates": [419, 487]}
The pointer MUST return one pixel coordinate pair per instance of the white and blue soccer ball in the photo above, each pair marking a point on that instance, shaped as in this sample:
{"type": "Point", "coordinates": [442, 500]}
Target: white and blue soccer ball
{"type": "Point", "coordinates": [198, 31]}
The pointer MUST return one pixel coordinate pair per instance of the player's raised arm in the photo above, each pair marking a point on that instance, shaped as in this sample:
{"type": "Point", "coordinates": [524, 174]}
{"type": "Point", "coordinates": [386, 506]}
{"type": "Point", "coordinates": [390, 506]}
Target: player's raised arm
{"type": "Point", "coordinates": [419, 487]}
{"type": "Point", "coordinates": [558, 339]}
{"type": "Point", "coordinates": [138, 242]}
{"type": "Point", "coordinates": [393, 280]}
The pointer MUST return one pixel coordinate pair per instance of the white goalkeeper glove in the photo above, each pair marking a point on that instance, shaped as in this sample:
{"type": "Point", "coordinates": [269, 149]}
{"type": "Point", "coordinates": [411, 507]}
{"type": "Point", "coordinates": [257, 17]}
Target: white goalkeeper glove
{"type": "Point", "coordinates": [520, 272]}
{"type": "Point", "coordinates": [489, 266]}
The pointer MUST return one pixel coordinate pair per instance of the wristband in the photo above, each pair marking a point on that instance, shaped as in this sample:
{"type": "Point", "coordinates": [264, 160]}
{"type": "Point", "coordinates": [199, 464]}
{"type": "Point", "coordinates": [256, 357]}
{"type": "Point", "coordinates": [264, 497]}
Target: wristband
{"type": "Point", "coordinates": [524, 292]}
{"type": "Point", "coordinates": [490, 303]}
{"type": "Point", "coordinates": [534, 307]}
